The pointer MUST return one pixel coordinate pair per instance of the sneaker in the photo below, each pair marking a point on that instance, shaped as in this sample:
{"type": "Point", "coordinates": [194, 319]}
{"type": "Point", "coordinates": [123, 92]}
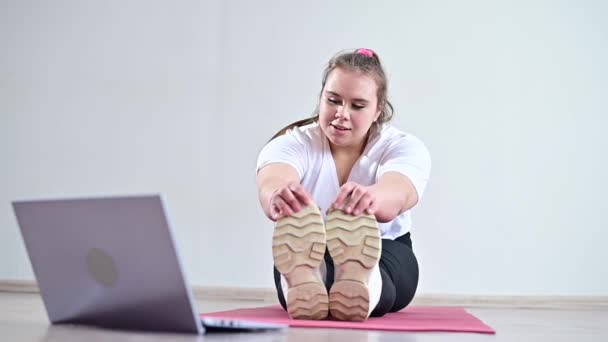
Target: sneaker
{"type": "Point", "coordinates": [298, 248]}
{"type": "Point", "coordinates": [355, 246]}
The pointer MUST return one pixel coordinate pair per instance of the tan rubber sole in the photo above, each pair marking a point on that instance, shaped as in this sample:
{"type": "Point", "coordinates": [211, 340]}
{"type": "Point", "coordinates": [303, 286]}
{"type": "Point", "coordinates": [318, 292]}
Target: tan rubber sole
{"type": "Point", "coordinates": [355, 246]}
{"type": "Point", "coordinates": [298, 248]}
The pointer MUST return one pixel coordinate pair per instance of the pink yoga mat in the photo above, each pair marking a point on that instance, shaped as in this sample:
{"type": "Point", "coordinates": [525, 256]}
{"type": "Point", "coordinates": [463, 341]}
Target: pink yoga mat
{"type": "Point", "coordinates": [420, 318]}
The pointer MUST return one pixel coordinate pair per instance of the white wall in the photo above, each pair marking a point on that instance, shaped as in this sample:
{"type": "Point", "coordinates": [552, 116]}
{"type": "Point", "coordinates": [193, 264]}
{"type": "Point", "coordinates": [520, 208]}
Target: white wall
{"type": "Point", "coordinates": [113, 97]}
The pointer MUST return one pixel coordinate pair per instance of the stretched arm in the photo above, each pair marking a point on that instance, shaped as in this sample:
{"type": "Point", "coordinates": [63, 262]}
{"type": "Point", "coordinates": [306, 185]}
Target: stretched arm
{"type": "Point", "coordinates": [393, 194]}
{"type": "Point", "coordinates": [280, 192]}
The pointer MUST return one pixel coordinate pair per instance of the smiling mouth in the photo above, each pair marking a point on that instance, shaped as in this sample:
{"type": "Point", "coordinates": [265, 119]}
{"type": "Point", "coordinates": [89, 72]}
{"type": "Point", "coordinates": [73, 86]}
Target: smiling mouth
{"type": "Point", "coordinates": [339, 128]}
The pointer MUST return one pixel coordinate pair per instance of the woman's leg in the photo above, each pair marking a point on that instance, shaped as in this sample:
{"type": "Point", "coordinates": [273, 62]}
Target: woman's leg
{"type": "Point", "coordinates": [277, 285]}
{"type": "Point", "coordinates": [399, 270]}
{"type": "Point", "coordinates": [298, 245]}
{"type": "Point", "coordinates": [354, 244]}
{"type": "Point", "coordinates": [328, 279]}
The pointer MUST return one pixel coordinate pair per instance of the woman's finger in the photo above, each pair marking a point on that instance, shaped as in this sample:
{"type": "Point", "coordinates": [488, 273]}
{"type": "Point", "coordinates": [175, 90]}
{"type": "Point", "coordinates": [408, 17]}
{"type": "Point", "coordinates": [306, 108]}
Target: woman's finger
{"type": "Point", "coordinates": [363, 204]}
{"type": "Point", "coordinates": [275, 213]}
{"type": "Point", "coordinates": [300, 193]}
{"type": "Point", "coordinates": [343, 193]}
{"type": "Point", "coordinates": [289, 198]}
{"type": "Point", "coordinates": [355, 197]}
{"type": "Point", "coordinates": [372, 208]}
{"type": "Point", "coordinates": [284, 208]}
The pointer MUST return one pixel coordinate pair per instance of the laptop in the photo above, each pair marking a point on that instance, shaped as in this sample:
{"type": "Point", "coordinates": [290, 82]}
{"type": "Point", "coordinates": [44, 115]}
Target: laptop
{"type": "Point", "coordinates": [112, 262]}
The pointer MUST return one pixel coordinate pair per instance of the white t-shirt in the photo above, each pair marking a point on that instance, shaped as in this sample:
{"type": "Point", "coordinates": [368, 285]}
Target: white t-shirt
{"type": "Point", "coordinates": [307, 150]}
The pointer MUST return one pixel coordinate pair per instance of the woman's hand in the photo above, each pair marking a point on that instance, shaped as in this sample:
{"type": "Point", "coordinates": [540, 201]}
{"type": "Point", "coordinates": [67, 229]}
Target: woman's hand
{"type": "Point", "coordinates": [356, 199]}
{"type": "Point", "coordinates": [288, 199]}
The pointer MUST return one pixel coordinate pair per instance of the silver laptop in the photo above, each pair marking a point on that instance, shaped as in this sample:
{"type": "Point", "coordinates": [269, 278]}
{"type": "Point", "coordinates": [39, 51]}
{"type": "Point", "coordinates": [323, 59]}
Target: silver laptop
{"type": "Point", "coordinates": [112, 262]}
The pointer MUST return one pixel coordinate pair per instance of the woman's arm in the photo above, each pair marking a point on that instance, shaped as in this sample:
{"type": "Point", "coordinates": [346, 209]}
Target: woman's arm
{"type": "Point", "coordinates": [394, 194]}
{"type": "Point", "coordinates": [279, 191]}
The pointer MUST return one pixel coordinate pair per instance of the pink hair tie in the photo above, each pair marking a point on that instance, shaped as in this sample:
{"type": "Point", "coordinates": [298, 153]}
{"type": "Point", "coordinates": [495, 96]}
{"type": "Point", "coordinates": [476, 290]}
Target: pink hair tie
{"type": "Point", "coordinates": [365, 52]}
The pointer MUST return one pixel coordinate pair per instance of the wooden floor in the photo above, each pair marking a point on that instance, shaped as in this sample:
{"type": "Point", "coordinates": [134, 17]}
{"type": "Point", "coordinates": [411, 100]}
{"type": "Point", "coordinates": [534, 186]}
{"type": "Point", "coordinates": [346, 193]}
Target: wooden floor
{"type": "Point", "coordinates": [23, 318]}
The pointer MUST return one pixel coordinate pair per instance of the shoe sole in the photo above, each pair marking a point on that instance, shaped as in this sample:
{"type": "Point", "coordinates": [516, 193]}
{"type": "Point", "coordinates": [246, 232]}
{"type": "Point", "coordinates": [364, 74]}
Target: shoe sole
{"type": "Point", "coordinates": [355, 246]}
{"type": "Point", "coordinates": [298, 249]}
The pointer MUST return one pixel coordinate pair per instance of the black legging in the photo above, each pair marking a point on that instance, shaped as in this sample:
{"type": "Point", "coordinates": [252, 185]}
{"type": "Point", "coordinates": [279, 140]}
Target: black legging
{"type": "Point", "coordinates": [399, 271]}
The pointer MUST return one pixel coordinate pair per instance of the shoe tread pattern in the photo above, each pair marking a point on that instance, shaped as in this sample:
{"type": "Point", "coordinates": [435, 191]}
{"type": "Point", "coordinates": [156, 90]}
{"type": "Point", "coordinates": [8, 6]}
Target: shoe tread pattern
{"type": "Point", "coordinates": [298, 248]}
{"type": "Point", "coordinates": [355, 245]}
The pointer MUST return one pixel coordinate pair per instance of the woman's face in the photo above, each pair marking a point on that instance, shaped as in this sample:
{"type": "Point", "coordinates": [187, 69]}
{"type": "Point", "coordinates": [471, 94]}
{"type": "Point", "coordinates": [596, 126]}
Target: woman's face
{"type": "Point", "coordinates": [348, 107]}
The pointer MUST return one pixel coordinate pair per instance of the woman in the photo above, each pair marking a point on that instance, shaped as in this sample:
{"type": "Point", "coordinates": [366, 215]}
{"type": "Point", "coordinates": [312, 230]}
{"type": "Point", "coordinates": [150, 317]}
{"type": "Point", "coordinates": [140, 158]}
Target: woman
{"type": "Point", "coordinates": [339, 187]}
